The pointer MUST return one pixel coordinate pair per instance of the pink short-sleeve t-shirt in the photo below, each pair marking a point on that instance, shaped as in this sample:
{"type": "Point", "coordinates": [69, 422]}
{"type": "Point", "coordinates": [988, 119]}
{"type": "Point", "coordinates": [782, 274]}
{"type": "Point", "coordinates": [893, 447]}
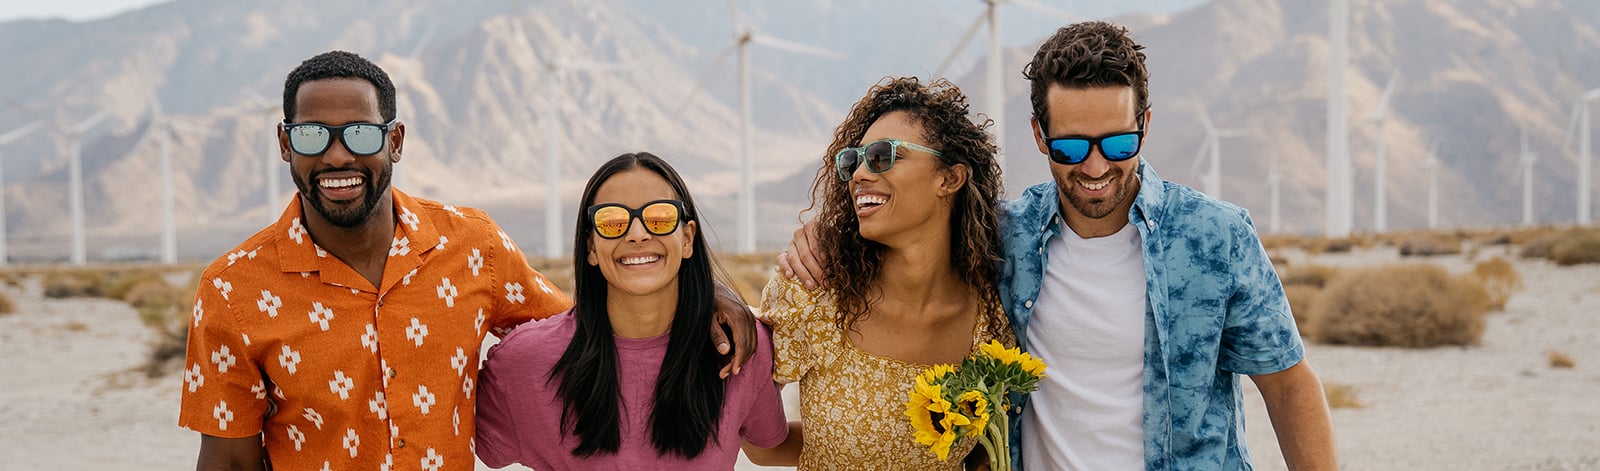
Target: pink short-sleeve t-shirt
{"type": "Point", "coordinates": [519, 413]}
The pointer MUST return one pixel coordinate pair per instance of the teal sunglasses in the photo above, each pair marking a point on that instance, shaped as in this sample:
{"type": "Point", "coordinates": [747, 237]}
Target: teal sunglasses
{"type": "Point", "coordinates": [879, 156]}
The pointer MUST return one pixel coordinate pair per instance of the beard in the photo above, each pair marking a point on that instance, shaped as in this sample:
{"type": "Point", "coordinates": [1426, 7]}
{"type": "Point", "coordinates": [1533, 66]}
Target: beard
{"type": "Point", "coordinates": [1096, 208]}
{"type": "Point", "coordinates": [347, 216]}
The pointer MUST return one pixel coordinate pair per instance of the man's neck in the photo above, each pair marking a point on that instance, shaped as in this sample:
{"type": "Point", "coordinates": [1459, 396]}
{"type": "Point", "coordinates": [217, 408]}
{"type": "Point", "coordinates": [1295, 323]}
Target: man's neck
{"type": "Point", "coordinates": [361, 246]}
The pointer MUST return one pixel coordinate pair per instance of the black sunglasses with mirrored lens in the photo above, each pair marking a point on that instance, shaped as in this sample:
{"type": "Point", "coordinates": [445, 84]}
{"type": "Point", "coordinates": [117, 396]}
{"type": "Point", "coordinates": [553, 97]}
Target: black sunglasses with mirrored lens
{"type": "Point", "coordinates": [660, 217]}
{"type": "Point", "coordinates": [312, 139]}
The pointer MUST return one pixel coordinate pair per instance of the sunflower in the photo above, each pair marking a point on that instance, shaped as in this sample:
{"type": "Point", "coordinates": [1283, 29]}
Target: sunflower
{"type": "Point", "coordinates": [976, 407]}
{"type": "Point", "coordinates": [931, 415]}
{"type": "Point", "coordinates": [1013, 356]}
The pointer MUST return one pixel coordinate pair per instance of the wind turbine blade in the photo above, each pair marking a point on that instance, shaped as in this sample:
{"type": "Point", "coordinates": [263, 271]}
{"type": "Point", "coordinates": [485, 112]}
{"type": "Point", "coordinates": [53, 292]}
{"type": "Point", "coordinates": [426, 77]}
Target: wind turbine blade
{"type": "Point", "coordinates": [93, 120]}
{"type": "Point", "coordinates": [736, 18]}
{"type": "Point", "coordinates": [960, 45]}
{"type": "Point", "coordinates": [423, 41]}
{"type": "Point", "coordinates": [591, 65]}
{"type": "Point", "coordinates": [20, 133]}
{"type": "Point", "coordinates": [701, 84]}
{"type": "Point", "coordinates": [1572, 124]}
{"type": "Point", "coordinates": [1591, 95]}
{"type": "Point", "coordinates": [795, 47]}
{"type": "Point", "coordinates": [1045, 9]}
{"type": "Point", "coordinates": [259, 100]}
{"type": "Point", "coordinates": [1205, 120]}
{"type": "Point", "coordinates": [1383, 101]}
{"type": "Point", "coordinates": [1205, 145]}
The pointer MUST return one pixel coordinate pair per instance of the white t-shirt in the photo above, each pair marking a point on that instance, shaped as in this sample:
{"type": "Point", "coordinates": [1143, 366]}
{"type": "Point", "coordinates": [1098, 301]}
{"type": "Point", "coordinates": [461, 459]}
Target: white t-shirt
{"type": "Point", "coordinates": [1088, 326]}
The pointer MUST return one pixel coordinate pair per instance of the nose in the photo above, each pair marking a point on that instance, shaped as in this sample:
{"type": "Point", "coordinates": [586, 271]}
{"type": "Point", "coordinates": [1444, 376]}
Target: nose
{"type": "Point", "coordinates": [861, 173]}
{"type": "Point", "coordinates": [337, 155]}
{"type": "Point", "coordinates": [1096, 164]}
{"type": "Point", "coordinates": [636, 231]}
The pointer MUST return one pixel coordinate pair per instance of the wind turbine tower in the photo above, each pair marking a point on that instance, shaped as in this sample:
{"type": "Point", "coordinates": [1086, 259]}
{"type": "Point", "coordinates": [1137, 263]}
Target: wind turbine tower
{"type": "Point", "coordinates": [1585, 165]}
{"type": "Point", "coordinates": [1432, 164]}
{"type": "Point", "coordinates": [1339, 204]}
{"type": "Point", "coordinates": [1380, 188]}
{"type": "Point", "coordinates": [74, 135]}
{"type": "Point", "coordinates": [8, 138]}
{"type": "Point", "coordinates": [1526, 160]}
{"type": "Point", "coordinates": [1211, 182]}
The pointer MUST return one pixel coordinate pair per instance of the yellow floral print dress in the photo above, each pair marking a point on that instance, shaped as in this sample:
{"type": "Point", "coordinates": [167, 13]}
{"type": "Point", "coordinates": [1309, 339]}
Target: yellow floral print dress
{"type": "Point", "coordinates": [852, 403]}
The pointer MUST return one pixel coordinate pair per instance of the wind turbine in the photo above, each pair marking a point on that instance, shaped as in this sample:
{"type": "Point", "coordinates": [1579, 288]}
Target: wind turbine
{"type": "Point", "coordinates": [995, 79]}
{"type": "Point", "coordinates": [1339, 197]}
{"type": "Point", "coordinates": [1380, 190]}
{"type": "Point", "coordinates": [743, 36]}
{"type": "Point", "coordinates": [1432, 164]}
{"type": "Point", "coordinates": [554, 67]}
{"type": "Point", "coordinates": [1526, 161]}
{"type": "Point", "coordinates": [74, 135]}
{"type": "Point", "coordinates": [1211, 182]}
{"type": "Point", "coordinates": [1584, 164]}
{"type": "Point", "coordinates": [274, 173]}
{"type": "Point", "coordinates": [160, 130]}
{"type": "Point", "coordinates": [5, 139]}
{"type": "Point", "coordinates": [1274, 180]}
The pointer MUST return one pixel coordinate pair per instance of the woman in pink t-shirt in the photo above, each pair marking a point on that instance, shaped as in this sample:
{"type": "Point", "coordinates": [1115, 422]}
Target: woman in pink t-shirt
{"type": "Point", "coordinates": [628, 379]}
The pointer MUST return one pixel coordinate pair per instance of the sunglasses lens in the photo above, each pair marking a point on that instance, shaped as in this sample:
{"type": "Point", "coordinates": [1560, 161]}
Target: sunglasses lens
{"type": "Point", "coordinates": [364, 139]}
{"type": "Point", "coordinates": [880, 156]}
{"type": "Point", "coordinates": [307, 139]}
{"type": "Point", "coordinates": [1120, 147]}
{"type": "Point", "coordinates": [1069, 151]}
{"type": "Point", "coordinates": [845, 162]}
{"type": "Point", "coordinates": [611, 222]}
{"type": "Point", "coordinates": [660, 218]}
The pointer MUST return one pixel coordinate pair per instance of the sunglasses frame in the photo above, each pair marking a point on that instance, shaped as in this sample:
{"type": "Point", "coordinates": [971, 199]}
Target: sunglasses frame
{"type": "Point", "coordinates": [337, 131]}
{"type": "Point", "coordinates": [1094, 142]}
{"type": "Point", "coordinates": [894, 154]}
{"type": "Point", "coordinates": [637, 214]}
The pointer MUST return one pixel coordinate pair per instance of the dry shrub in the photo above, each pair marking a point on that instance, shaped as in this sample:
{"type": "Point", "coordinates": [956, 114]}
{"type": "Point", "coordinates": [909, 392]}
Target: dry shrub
{"type": "Point", "coordinates": [1339, 245]}
{"type": "Point", "coordinates": [1561, 360]}
{"type": "Point", "coordinates": [1315, 276]}
{"type": "Point", "coordinates": [167, 351]}
{"type": "Point", "coordinates": [1500, 280]}
{"type": "Point", "coordinates": [74, 284]}
{"type": "Point", "coordinates": [558, 270]}
{"type": "Point", "coordinates": [1577, 247]}
{"type": "Point", "coordinates": [1413, 306]}
{"type": "Point", "coordinates": [7, 306]}
{"type": "Point", "coordinates": [1342, 396]}
{"type": "Point", "coordinates": [119, 284]}
{"type": "Point", "coordinates": [1426, 245]}
{"type": "Point", "coordinates": [1301, 298]}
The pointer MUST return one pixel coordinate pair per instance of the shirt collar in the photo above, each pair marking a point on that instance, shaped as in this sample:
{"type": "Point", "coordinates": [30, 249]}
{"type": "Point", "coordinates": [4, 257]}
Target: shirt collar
{"type": "Point", "coordinates": [1147, 204]}
{"type": "Point", "coordinates": [413, 235]}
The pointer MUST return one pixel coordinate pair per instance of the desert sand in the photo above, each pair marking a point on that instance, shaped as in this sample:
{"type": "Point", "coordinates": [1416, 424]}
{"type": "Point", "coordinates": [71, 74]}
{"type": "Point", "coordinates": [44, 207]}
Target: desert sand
{"type": "Point", "coordinates": [72, 396]}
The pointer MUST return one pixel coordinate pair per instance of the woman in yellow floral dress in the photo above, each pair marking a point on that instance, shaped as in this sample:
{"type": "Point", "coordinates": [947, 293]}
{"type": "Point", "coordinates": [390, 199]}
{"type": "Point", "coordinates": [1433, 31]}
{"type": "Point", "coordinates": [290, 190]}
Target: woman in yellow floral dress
{"type": "Point", "coordinates": [906, 224]}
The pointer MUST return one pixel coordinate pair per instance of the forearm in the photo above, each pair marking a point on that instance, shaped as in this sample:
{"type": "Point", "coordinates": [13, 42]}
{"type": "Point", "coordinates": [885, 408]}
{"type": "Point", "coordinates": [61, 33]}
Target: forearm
{"type": "Point", "coordinates": [230, 454]}
{"type": "Point", "coordinates": [1300, 419]}
{"type": "Point", "coordinates": [785, 454]}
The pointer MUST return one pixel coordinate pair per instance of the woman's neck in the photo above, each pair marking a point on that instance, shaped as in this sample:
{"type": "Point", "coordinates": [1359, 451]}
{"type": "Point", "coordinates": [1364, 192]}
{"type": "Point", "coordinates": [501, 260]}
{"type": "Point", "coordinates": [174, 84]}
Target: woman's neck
{"type": "Point", "coordinates": [639, 317]}
{"type": "Point", "coordinates": [919, 272]}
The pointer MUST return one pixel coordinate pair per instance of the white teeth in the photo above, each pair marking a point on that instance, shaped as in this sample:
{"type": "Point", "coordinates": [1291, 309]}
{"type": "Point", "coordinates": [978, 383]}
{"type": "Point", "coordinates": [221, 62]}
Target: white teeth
{"type": "Point", "coordinates": [1094, 186]}
{"type": "Point", "coordinates": [339, 182]}
{"type": "Point", "coordinates": [864, 200]}
{"type": "Point", "coordinates": [640, 260]}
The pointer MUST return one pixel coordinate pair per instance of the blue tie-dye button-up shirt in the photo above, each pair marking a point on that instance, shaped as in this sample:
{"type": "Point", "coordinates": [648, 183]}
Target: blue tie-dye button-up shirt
{"type": "Point", "coordinates": [1215, 310]}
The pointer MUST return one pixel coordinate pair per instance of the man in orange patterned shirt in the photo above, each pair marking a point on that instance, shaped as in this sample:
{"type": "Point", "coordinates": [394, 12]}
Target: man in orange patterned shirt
{"type": "Point", "coordinates": [346, 335]}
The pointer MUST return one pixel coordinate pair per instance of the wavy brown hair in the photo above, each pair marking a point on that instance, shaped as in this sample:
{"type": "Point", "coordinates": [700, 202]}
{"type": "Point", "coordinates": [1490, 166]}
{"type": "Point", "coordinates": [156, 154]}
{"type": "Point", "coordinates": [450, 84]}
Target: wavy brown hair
{"type": "Point", "coordinates": [942, 111]}
{"type": "Point", "coordinates": [1091, 54]}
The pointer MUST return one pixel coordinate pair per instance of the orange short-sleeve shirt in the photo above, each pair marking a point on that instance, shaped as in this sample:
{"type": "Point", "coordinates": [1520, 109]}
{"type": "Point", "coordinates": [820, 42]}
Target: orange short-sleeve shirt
{"type": "Point", "coordinates": [290, 342]}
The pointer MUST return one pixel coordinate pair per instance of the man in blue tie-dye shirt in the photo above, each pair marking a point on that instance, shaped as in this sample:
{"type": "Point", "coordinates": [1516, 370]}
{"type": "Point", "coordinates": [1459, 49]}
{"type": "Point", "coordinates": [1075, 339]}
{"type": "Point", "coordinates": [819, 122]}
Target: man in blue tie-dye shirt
{"type": "Point", "coordinates": [1146, 298]}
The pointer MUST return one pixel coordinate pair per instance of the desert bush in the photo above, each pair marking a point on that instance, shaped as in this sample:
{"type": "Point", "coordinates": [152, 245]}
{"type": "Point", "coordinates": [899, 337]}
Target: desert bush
{"type": "Point", "coordinates": [1425, 245]}
{"type": "Point", "coordinates": [1401, 306]}
{"type": "Point", "coordinates": [1339, 245]}
{"type": "Point", "coordinates": [119, 284]}
{"type": "Point", "coordinates": [1500, 280]}
{"type": "Point", "coordinates": [1577, 247]}
{"type": "Point", "coordinates": [558, 270]}
{"type": "Point", "coordinates": [1561, 360]}
{"type": "Point", "coordinates": [6, 305]}
{"type": "Point", "coordinates": [74, 284]}
{"type": "Point", "coordinates": [1315, 276]}
{"type": "Point", "coordinates": [1341, 396]}
{"type": "Point", "coordinates": [167, 350]}
{"type": "Point", "coordinates": [1301, 298]}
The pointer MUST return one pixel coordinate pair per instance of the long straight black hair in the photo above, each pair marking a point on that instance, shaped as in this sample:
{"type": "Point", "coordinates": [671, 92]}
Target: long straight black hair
{"type": "Point", "coordinates": [688, 391]}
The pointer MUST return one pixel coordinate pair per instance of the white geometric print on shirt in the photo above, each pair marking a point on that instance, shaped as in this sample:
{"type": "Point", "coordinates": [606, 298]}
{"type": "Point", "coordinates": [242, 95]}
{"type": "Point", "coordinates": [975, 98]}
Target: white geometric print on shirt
{"type": "Point", "coordinates": [222, 414]}
{"type": "Point", "coordinates": [325, 467]}
{"type": "Point", "coordinates": [417, 331]}
{"type": "Point", "coordinates": [477, 325]}
{"type": "Point", "coordinates": [198, 312]}
{"type": "Point", "coordinates": [458, 361]}
{"type": "Point", "coordinates": [320, 315]}
{"type": "Point", "coordinates": [505, 241]}
{"type": "Point", "coordinates": [297, 232]}
{"type": "Point", "coordinates": [246, 338]}
{"type": "Point", "coordinates": [193, 378]}
{"type": "Point", "coordinates": [455, 418]}
{"type": "Point", "coordinates": [409, 218]}
{"type": "Point", "coordinates": [466, 386]}
{"type": "Point", "coordinates": [453, 210]}
{"type": "Point", "coordinates": [320, 253]}
{"type": "Point", "coordinates": [423, 399]}
{"type": "Point", "coordinates": [260, 389]}
{"type": "Point", "coordinates": [400, 246]}
{"type": "Point", "coordinates": [433, 461]}
{"type": "Point", "coordinates": [341, 385]}
{"type": "Point", "coordinates": [406, 280]}
{"type": "Point", "coordinates": [370, 339]}
{"type": "Point", "coordinates": [352, 441]}
{"type": "Point", "coordinates": [543, 287]}
{"type": "Point", "coordinates": [442, 240]}
{"type": "Point", "coordinates": [514, 293]}
{"type": "Point", "coordinates": [222, 287]}
{"type": "Point", "coordinates": [383, 367]}
{"type": "Point", "coordinates": [269, 303]}
{"type": "Point", "coordinates": [296, 437]}
{"type": "Point", "coordinates": [289, 359]}
{"type": "Point", "coordinates": [388, 462]}
{"type": "Point", "coordinates": [447, 292]}
{"type": "Point", "coordinates": [223, 359]}
{"type": "Point", "coordinates": [378, 405]}
{"type": "Point", "coordinates": [314, 417]}
{"type": "Point", "coordinates": [475, 261]}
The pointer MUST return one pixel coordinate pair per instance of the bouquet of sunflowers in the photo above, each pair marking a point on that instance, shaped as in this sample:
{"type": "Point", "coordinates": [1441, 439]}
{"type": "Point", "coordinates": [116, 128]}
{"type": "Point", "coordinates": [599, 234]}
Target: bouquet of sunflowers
{"type": "Point", "coordinates": [948, 403]}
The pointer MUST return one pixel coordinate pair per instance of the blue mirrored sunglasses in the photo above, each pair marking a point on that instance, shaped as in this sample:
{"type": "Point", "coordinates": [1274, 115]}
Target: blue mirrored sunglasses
{"type": "Point", "coordinates": [312, 139]}
{"type": "Point", "coordinates": [1073, 150]}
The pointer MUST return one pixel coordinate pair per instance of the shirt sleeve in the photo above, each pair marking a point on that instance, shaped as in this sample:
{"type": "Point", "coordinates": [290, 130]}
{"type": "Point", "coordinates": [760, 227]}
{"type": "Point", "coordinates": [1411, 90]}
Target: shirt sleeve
{"type": "Point", "coordinates": [765, 425]}
{"type": "Point", "coordinates": [1259, 335]}
{"type": "Point", "coordinates": [495, 437]}
{"type": "Point", "coordinates": [224, 393]}
{"type": "Point", "coordinates": [526, 293]}
{"type": "Point", "coordinates": [787, 307]}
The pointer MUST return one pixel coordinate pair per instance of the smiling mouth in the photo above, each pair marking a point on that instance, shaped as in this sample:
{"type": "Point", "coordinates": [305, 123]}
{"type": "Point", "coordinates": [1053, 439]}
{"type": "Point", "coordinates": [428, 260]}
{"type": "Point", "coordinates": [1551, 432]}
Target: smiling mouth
{"type": "Point", "coordinates": [1094, 186]}
{"type": "Point", "coordinates": [868, 201]}
{"type": "Point", "coordinates": [639, 260]}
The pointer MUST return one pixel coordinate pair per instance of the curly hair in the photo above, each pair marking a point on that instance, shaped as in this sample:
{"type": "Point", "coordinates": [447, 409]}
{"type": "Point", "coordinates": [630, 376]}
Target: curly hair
{"type": "Point", "coordinates": [942, 111]}
{"type": "Point", "coordinates": [1091, 54]}
{"type": "Point", "coordinates": [338, 64]}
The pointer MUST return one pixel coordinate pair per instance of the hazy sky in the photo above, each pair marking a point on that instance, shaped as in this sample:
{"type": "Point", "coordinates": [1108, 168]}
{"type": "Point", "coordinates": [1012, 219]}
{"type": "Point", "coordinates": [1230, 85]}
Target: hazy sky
{"type": "Point", "coordinates": [77, 10]}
